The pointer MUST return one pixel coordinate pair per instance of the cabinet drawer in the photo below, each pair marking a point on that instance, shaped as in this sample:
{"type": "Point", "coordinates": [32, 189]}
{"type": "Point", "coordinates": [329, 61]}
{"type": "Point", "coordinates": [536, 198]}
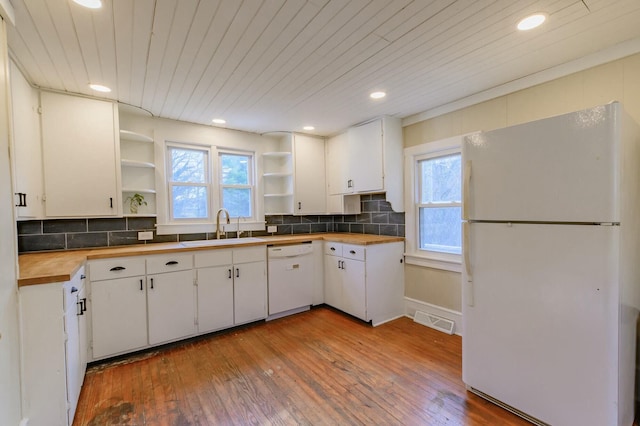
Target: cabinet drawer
{"type": "Point", "coordinates": [333, 249]}
{"type": "Point", "coordinates": [350, 251]}
{"type": "Point", "coordinates": [250, 254]}
{"type": "Point", "coordinates": [122, 267]}
{"type": "Point", "coordinates": [169, 262]}
{"type": "Point", "coordinates": [204, 259]}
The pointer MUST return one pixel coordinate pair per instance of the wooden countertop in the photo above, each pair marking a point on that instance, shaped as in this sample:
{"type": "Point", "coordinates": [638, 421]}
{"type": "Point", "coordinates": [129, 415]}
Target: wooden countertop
{"type": "Point", "coordinates": [60, 266]}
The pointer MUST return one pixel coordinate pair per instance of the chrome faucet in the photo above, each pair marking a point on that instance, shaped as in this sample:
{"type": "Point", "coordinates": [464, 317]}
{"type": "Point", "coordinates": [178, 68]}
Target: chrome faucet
{"type": "Point", "coordinates": [218, 221]}
{"type": "Point", "coordinates": [239, 232]}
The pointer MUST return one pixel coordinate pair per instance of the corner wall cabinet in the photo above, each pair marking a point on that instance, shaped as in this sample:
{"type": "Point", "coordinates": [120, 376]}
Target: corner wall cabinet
{"type": "Point", "coordinates": [137, 156]}
{"type": "Point", "coordinates": [366, 159]}
{"type": "Point", "coordinates": [81, 176]}
{"type": "Point", "coordinates": [53, 321]}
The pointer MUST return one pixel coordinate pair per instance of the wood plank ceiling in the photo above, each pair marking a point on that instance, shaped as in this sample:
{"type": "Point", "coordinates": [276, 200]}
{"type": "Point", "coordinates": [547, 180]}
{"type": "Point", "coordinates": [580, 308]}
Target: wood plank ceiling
{"type": "Point", "coordinates": [266, 65]}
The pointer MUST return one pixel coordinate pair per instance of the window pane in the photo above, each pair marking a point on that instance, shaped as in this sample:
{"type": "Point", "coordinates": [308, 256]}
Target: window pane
{"type": "Point", "coordinates": [440, 229]}
{"type": "Point", "coordinates": [237, 201]}
{"type": "Point", "coordinates": [441, 177]}
{"type": "Point", "coordinates": [235, 169]}
{"type": "Point", "coordinates": [188, 165]}
{"type": "Point", "coordinates": [189, 202]}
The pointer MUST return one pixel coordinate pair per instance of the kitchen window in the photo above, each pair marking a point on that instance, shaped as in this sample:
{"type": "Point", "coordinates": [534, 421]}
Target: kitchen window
{"type": "Point", "coordinates": [189, 183]}
{"type": "Point", "coordinates": [433, 200]}
{"type": "Point", "coordinates": [237, 183]}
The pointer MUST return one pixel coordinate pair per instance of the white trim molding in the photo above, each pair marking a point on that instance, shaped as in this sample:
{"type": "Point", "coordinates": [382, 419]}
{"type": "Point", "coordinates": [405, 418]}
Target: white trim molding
{"type": "Point", "coordinates": [413, 305]}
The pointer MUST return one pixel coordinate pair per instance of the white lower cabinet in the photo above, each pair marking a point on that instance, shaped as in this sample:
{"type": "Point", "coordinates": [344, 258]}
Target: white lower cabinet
{"type": "Point", "coordinates": [232, 287]}
{"type": "Point", "coordinates": [365, 281]}
{"type": "Point", "coordinates": [118, 306]}
{"type": "Point", "coordinates": [53, 351]}
{"type": "Point", "coordinates": [171, 309]}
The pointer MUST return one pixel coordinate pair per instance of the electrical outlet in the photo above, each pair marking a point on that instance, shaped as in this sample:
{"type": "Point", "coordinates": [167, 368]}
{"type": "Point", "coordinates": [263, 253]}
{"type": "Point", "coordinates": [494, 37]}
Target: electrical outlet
{"type": "Point", "coordinates": [272, 229]}
{"type": "Point", "coordinates": [145, 235]}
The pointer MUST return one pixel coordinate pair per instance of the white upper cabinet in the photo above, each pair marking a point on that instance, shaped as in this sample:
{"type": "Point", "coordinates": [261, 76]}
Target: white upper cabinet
{"type": "Point", "coordinates": [367, 159]}
{"type": "Point", "coordinates": [365, 148]}
{"type": "Point", "coordinates": [309, 182]}
{"type": "Point", "coordinates": [26, 148]}
{"type": "Point", "coordinates": [81, 156]}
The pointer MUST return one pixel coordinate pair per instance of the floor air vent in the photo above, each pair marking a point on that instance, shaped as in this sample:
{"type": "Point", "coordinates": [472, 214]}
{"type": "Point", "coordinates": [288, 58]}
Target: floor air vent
{"type": "Point", "coordinates": [434, 321]}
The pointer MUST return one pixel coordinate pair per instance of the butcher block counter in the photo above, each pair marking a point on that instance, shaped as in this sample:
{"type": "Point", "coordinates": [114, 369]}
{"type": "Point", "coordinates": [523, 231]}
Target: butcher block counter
{"type": "Point", "coordinates": [60, 266]}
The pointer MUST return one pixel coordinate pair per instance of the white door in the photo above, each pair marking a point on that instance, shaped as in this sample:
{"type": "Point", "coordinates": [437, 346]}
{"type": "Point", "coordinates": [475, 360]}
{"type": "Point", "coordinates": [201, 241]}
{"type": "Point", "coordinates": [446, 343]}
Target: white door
{"type": "Point", "coordinates": [560, 169]}
{"type": "Point", "coordinates": [250, 292]}
{"type": "Point", "coordinates": [215, 298]}
{"type": "Point", "coordinates": [118, 316]}
{"type": "Point", "coordinates": [72, 356]}
{"type": "Point", "coordinates": [171, 306]}
{"type": "Point", "coordinates": [541, 334]}
{"type": "Point", "coordinates": [309, 183]}
{"type": "Point", "coordinates": [337, 150]}
{"type": "Point", "coordinates": [333, 281]}
{"type": "Point", "coordinates": [365, 157]}
{"type": "Point", "coordinates": [79, 155]}
{"type": "Point", "coordinates": [354, 300]}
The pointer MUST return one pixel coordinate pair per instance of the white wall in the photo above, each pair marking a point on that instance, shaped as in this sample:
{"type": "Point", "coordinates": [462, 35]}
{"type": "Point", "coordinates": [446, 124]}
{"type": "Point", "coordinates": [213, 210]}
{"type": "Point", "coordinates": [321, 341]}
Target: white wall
{"type": "Point", "coordinates": [177, 131]}
{"type": "Point", "coordinates": [9, 336]}
{"type": "Point", "coordinates": [618, 80]}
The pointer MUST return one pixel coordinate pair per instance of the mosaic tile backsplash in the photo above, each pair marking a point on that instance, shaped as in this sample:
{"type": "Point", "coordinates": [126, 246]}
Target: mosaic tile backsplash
{"type": "Point", "coordinates": [376, 218]}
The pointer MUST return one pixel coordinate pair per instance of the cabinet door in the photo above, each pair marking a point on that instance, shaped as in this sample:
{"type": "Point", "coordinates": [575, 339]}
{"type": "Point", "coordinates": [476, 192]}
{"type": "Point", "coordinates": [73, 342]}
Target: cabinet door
{"type": "Point", "coordinates": [250, 292]}
{"type": "Point", "coordinates": [354, 299]}
{"type": "Point", "coordinates": [333, 281]}
{"type": "Point", "coordinates": [118, 316]}
{"type": "Point", "coordinates": [365, 157]}
{"type": "Point", "coordinates": [171, 306]}
{"type": "Point", "coordinates": [83, 331]}
{"type": "Point", "coordinates": [26, 146]}
{"type": "Point", "coordinates": [72, 356]}
{"type": "Point", "coordinates": [215, 298]}
{"type": "Point", "coordinates": [337, 161]}
{"type": "Point", "coordinates": [79, 155]}
{"type": "Point", "coordinates": [309, 177]}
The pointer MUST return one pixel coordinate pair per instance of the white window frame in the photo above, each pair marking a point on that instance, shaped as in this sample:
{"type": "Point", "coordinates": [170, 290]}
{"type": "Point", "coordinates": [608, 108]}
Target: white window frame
{"type": "Point", "coordinates": [208, 184]}
{"type": "Point", "coordinates": [252, 179]}
{"type": "Point", "coordinates": [412, 155]}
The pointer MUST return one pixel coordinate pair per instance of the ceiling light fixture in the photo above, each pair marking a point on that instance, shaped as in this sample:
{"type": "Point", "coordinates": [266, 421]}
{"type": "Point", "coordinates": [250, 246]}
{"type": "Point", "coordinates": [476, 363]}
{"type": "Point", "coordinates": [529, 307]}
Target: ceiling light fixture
{"type": "Point", "coordinates": [532, 21]}
{"type": "Point", "coordinates": [377, 95]}
{"type": "Point", "coordinates": [309, 128]}
{"type": "Point", "coordinates": [91, 4]}
{"type": "Point", "coordinates": [219, 121]}
{"type": "Point", "coordinates": [100, 88]}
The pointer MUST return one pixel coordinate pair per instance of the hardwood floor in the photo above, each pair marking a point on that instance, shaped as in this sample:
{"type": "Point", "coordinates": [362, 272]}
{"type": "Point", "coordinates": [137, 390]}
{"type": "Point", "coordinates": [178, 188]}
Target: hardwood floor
{"type": "Point", "coordinates": [316, 368]}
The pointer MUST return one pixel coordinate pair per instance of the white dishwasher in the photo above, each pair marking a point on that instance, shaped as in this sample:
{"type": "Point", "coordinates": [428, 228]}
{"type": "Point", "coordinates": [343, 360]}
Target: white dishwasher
{"type": "Point", "coordinates": [290, 279]}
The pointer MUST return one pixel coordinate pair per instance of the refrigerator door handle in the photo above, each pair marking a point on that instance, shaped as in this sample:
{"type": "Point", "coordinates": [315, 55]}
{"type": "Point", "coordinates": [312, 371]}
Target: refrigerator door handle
{"type": "Point", "coordinates": [468, 286]}
{"type": "Point", "coordinates": [465, 189]}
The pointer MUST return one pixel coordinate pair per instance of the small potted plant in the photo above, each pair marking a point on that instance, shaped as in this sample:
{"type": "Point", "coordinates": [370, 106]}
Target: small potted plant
{"type": "Point", "coordinates": [135, 201]}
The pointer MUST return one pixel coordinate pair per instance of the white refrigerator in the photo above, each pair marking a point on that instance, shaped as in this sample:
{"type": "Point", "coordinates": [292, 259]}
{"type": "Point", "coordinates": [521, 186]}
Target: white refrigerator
{"type": "Point", "coordinates": [551, 276]}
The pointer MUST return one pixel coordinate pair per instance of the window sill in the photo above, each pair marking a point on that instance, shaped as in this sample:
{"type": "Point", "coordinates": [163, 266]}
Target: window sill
{"type": "Point", "coordinates": [433, 262]}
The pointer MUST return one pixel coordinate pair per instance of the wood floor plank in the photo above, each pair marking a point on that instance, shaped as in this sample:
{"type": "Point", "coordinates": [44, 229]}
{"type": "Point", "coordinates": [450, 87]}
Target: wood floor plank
{"type": "Point", "coordinates": [315, 368]}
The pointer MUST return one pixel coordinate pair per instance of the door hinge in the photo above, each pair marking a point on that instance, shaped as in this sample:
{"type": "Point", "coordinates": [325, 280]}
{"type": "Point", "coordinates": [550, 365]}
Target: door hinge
{"type": "Point", "coordinates": [195, 282]}
{"type": "Point", "coordinates": [39, 110]}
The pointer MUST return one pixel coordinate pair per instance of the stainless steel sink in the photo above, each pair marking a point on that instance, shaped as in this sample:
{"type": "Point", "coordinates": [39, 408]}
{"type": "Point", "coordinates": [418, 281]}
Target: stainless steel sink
{"type": "Point", "coordinates": [221, 242]}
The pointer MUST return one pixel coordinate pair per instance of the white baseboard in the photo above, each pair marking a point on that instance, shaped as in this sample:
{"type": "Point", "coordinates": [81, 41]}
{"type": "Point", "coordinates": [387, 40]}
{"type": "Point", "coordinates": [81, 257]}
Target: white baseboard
{"type": "Point", "coordinates": [413, 305]}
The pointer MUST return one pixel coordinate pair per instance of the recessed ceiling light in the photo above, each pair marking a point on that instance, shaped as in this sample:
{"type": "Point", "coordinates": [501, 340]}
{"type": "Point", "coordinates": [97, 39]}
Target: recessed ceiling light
{"type": "Point", "coordinates": [91, 4]}
{"type": "Point", "coordinates": [532, 21]}
{"type": "Point", "coordinates": [309, 128]}
{"type": "Point", "coordinates": [377, 95]}
{"type": "Point", "coordinates": [100, 88]}
{"type": "Point", "coordinates": [219, 121]}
